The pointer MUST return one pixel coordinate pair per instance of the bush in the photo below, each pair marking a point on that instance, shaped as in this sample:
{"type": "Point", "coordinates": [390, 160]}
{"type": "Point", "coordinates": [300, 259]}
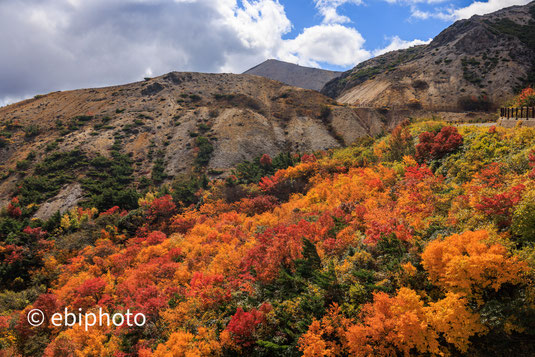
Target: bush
{"type": "Point", "coordinates": [420, 84]}
{"type": "Point", "coordinates": [195, 97]}
{"type": "Point", "coordinates": [51, 146]}
{"type": "Point", "coordinates": [185, 189]}
{"type": "Point", "coordinates": [31, 131]}
{"type": "Point", "coordinates": [252, 172]}
{"type": "Point", "coordinates": [23, 165]}
{"type": "Point", "coordinates": [523, 221]}
{"type": "Point", "coordinates": [325, 113]}
{"type": "Point", "coordinates": [51, 174]}
{"type": "Point", "coordinates": [205, 151]}
{"type": "Point", "coordinates": [435, 146]}
{"type": "Point", "coordinates": [526, 98]}
{"type": "Point", "coordinates": [108, 182]}
{"type": "Point", "coordinates": [158, 170]}
{"type": "Point", "coordinates": [400, 142]}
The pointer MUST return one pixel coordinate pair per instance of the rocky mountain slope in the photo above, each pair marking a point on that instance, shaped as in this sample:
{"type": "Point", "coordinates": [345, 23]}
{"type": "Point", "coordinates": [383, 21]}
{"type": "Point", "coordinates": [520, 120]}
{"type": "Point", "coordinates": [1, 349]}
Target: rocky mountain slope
{"type": "Point", "coordinates": [474, 64]}
{"type": "Point", "coordinates": [163, 127]}
{"type": "Point", "coordinates": [294, 75]}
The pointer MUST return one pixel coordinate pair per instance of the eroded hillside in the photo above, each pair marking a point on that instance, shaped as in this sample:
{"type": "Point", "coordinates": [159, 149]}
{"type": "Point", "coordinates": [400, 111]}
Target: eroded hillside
{"type": "Point", "coordinates": [474, 64]}
{"type": "Point", "coordinates": [162, 127]}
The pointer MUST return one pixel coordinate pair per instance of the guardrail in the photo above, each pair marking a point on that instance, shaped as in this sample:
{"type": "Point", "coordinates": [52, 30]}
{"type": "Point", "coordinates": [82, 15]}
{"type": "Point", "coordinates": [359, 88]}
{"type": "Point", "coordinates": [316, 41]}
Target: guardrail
{"type": "Point", "coordinates": [518, 113]}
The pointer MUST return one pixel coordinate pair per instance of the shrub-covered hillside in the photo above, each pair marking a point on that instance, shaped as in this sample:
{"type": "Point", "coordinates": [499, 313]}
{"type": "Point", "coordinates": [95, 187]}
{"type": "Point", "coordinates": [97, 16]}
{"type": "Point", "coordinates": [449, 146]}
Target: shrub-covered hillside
{"type": "Point", "coordinates": [416, 243]}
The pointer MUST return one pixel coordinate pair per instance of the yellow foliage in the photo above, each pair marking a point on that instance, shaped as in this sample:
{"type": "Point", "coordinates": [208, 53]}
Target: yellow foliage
{"type": "Point", "coordinates": [185, 344]}
{"type": "Point", "coordinates": [452, 317]}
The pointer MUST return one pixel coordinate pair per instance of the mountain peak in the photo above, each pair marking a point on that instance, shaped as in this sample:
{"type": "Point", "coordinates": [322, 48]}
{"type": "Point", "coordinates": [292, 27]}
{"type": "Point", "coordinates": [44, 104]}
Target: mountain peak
{"type": "Point", "coordinates": [293, 74]}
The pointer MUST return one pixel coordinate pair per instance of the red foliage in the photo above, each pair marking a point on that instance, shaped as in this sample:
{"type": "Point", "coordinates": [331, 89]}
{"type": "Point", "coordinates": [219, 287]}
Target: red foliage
{"type": "Point", "coordinates": [265, 160]}
{"type": "Point", "coordinates": [432, 147]}
{"type": "Point", "coordinates": [161, 207]}
{"type": "Point", "coordinates": [113, 211]}
{"type": "Point", "coordinates": [155, 237]}
{"type": "Point", "coordinates": [48, 304]}
{"type": "Point", "coordinates": [140, 294]}
{"type": "Point", "coordinates": [491, 175]}
{"type": "Point", "coordinates": [257, 205]}
{"type": "Point", "coordinates": [279, 247]}
{"type": "Point", "coordinates": [209, 288]}
{"type": "Point", "coordinates": [500, 206]}
{"type": "Point", "coordinates": [37, 233]}
{"type": "Point", "coordinates": [243, 324]}
{"type": "Point", "coordinates": [415, 174]}
{"type": "Point", "coordinates": [268, 184]}
{"type": "Point", "coordinates": [377, 230]}
{"type": "Point", "coordinates": [10, 253]}
{"type": "Point", "coordinates": [89, 293]}
{"type": "Point", "coordinates": [526, 97]}
{"type": "Point", "coordinates": [308, 158]}
{"type": "Point", "coordinates": [13, 209]}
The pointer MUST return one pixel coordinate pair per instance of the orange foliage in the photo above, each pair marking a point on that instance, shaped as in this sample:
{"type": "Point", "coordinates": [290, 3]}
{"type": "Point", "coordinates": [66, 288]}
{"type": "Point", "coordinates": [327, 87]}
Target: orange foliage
{"type": "Point", "coordinates": [466, 263]}
{"type": "Point", "coordinates": [402, 324]}
{"type": "Point", "coordinates": [323, 337]}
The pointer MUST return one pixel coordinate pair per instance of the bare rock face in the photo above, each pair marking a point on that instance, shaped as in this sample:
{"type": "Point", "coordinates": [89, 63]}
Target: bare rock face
{"type": "Point", "coordinates": [66, 199]}
{"type": "Point", "coordinates": [294, 75]}
{"type": "Point", "coordinates": [484, 60]}
{"type": "Point", "coordinates": [161, 122]}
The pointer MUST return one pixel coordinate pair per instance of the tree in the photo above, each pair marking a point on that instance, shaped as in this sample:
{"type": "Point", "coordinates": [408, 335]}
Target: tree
{"type": "Point", "coordinates": [433, 146]}
{"type": "Point", "coordinates": [400, 142]}
{"type": "Point", "coordinates": [466, 264]}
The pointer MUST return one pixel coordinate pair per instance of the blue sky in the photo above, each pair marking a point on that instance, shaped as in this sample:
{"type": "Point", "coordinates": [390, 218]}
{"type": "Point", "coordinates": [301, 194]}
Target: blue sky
{"type": "Point", "coordinates": [375, 20]}
{"type": "Point", "coordinates": [379, 21]}
{"type": "Point", "coordinates": [50, 45]}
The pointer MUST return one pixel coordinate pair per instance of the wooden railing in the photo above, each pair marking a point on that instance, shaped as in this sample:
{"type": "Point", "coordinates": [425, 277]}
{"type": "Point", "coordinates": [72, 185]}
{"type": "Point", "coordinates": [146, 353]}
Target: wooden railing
{"type": "Point", "coordinates": [518, 113]}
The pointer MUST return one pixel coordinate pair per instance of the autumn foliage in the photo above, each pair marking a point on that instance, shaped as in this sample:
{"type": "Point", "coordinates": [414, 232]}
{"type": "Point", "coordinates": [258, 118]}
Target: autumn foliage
{"type": "Point", "coordinates": [395, 246]}
{"type": "Point", "coordinates": [434, 146]}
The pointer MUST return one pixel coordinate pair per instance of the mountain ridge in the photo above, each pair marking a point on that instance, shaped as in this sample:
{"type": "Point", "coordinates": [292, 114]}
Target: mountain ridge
{"type": "Point", "coordinates": [488, 57]}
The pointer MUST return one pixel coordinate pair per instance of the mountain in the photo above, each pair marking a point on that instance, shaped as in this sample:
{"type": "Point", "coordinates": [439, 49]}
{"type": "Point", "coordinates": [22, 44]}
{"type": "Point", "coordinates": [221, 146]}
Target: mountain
{"type": "Point", "coordinates": [473, 64]}
{"type": "Point", "coordinates": [59, 147]}
{"type": "Point", "coordinates": [294, 75]}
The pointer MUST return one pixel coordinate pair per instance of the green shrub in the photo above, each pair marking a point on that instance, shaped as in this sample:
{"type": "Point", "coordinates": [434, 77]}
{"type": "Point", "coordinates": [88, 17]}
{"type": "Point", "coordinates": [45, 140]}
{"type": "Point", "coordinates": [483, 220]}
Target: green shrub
{"type": "Point", "coordinates": [23, 165]}
{"type": "Point", "coordinates": [158, 170]}
{"type": "Point", "coordinates": [325, 113]}
{"type": "Point", "coordinates": [252, 172]}
{"type": "Point", "coordinates": [205, 151]}
{"type": "Point", "coordinates": [31, 131]}
{"type": "Point", "coordinates": [185, 189]}
{"type": "Point", "coordinates": [203, 128]}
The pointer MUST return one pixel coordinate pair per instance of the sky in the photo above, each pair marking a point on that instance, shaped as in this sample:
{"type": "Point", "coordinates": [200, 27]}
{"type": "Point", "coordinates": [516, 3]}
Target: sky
{"type": "Point", "coordinates": [50, 45]}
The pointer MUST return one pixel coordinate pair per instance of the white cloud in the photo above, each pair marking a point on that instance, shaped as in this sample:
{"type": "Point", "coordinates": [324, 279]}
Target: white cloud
{"type": "Point", "coordinates": [399, 44]}
{"type": "Point", "coordinates": [334, 44]}
{"type": "Point", "coordinates": [50, 45]}
{"type": "Point", "coordinates": [476, 8]}
{"type": "Point", "coordinates": [482, 8]}
{"type": "Point", "coordinates": [329, 10]}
